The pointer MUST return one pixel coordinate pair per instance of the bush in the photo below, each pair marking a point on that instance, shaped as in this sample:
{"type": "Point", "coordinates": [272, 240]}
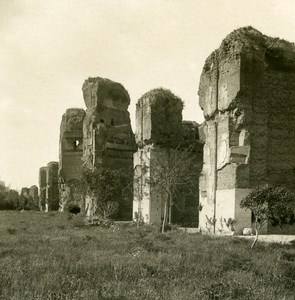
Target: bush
{"type": "Point", "coordinates": [74, 209]}
{"type": "Point", "coordinates": [269, 203]}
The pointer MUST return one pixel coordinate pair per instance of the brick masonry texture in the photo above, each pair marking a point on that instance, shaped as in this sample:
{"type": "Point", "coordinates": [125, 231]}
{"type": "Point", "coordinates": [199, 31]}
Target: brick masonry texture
{"type": "Point", "coordinates": [247, 93]}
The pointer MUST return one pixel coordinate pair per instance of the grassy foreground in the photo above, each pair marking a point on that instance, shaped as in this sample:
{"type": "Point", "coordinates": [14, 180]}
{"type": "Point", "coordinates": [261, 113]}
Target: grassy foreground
{"type": "Point", "coordinates": [47, 256]}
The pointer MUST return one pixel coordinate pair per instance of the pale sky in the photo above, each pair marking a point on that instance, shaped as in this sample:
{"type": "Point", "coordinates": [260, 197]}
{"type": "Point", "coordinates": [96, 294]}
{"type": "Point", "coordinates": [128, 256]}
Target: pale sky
{"type": "Point", "coordinates": [49, 47]}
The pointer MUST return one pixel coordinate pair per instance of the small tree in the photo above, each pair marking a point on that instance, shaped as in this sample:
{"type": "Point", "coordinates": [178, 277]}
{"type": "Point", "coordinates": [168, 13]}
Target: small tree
{"type": "Point", "coordinates": [172, 169]}
{"type": "Point", "coordinates": [175, 176]}
{"type": "Point", "coordinates": [269, 203]}
{"type": "Point", "coordinates": [107, 209]}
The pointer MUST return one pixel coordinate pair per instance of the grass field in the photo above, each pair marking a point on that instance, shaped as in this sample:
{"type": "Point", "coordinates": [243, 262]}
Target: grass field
{"type": "Point", "coordinates": [48, 256]}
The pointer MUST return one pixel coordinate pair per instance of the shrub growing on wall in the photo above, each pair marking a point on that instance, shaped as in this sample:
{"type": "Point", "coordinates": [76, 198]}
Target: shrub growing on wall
{"type": "Point", "coordinates": [107, 186]}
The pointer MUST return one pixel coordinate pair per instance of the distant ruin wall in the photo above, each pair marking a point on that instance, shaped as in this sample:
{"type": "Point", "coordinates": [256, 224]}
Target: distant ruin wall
{"type": "Point", "coordinates": [108, 139]}
{"type": "Point", "coordinates": [70, 157]}
{"type": "Point", "coordinates": [34, 196]}
{"type": "Point", "coordinates": [52, 193]}
{"type": "Point", "coordinates": [24, 198]}
{"type": "Point", "coordinates": [247, 93]}
{"type": "Point", "coordinates": [42, 187]}
{"type": "Point", "coordinates": [33, 192]}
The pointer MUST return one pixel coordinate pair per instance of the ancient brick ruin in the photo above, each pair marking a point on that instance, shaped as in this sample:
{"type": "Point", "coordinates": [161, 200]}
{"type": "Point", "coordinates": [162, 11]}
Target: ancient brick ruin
{"type": "Point", "coordinates": [29, 198]}
{"type": "Point", "coordinates": [42, 189]}
{"type": "Point", "coordinates": [24, 197]}
{"type": "Point", "coordinates": [108, 139]}
{"type": "Point", "coordinates": [160, 132]}
{"type": "Point", "coordinates": [70, 156]}
{"type": "Point", "coordinates": [52, 192]}
{"type": "Point", "coordinates": [34, 195]}
{"type": "Point", "coordinates": [247, 93]}
{"type": "Point", "coordinates": [48, 185]}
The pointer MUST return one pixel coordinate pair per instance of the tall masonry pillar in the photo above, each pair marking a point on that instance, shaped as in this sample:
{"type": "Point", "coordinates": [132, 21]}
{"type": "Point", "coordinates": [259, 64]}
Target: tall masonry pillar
{"type": "Point", "coordinates": [247, 94]}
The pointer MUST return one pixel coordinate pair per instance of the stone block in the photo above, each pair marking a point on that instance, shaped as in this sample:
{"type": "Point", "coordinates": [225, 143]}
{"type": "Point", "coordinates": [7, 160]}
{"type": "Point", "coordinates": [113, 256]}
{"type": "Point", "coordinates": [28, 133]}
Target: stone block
{"type": "Point", "coordinates": [247, 231]}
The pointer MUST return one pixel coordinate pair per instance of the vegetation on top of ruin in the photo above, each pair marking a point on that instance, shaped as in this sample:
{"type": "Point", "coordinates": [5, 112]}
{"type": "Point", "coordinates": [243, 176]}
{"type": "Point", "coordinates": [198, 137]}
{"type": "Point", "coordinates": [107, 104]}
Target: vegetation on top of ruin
{"type": "Point", "coordinates": [164, 96]}
{"type": "Point", "coordinates": [250, 40]}
{"type": "Point", "coordinates": [106, 88]}
{"type": "Point", "coordinates": [166, 117]}
{"type": "Point", "coordinates": [75, 110]}
{"type": "Point", "coordinates": [52, 164]}
{"type": "Point", "coordinates": [47, 256]}
{"type": "Point", "coordinates": [73, 118]}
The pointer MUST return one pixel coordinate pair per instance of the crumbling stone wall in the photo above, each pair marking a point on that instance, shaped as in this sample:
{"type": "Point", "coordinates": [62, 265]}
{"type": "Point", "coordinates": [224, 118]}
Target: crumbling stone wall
{"type": "Point", "coordinates": [42, 188]}
{"type": "Point", "coordinates": [24, 198]}
{"type": "Point", "coordinates": [159, 130]}
{"type": "Point", "coordinates": [247, 93]}
{"type": "Point", "coordinates": [52, 193]}
{"type": "Point", "coordinates": [108, 139]}
{"type": "Point", "coordinates": [70, 157]}
{"type": "Point", "coordinates": [34, 196]}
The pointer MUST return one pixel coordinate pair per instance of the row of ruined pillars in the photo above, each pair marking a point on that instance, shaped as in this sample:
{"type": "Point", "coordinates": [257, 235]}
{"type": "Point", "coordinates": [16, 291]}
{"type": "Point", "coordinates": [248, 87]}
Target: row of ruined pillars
{"type": "Point", "coordinates": [247, 94]}
{"type": "Point", "coordinates": [103, 136]}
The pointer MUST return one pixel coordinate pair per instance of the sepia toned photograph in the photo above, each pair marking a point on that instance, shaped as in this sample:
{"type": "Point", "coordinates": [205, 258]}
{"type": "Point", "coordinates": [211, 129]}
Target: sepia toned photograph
{"type": "Point", "coordinates": [148, 150]}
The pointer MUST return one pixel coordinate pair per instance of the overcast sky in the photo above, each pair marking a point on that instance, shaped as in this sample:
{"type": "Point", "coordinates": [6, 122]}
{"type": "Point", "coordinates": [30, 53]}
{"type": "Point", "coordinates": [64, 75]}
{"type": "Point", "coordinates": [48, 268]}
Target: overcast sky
{"type": "Point", "coordinates": [49, 47]}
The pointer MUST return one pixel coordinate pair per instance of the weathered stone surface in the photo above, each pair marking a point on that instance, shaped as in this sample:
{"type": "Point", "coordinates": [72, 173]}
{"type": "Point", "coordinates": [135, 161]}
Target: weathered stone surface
{"type": "Point", "coordinates": [29, 198]}
{"type": "Point", "coordinates": [247, 231]}
{"type": "Point", "coordinates": [24, 197]}
{"type": "Point", "coordinates": [159, 119]}
{"type": "Point", "coordinates": [247, 93]}
{"type": "Point", "coordinates": [102, 92]}
{"type": "Point", "coordinates": [70, 156]}
{"type": "Point", "coordinates": [160, 131]}
{"type": "Point", "coordinates": [52, 193]}
{"type": "Point", "coordinates": [42, 187]}
{"type": "Point", "coordinates": [33, 192]}
{"type": "Point", "coordinates": [108, 139]}
{"type": "Point", "coordinates": [34, 195]}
